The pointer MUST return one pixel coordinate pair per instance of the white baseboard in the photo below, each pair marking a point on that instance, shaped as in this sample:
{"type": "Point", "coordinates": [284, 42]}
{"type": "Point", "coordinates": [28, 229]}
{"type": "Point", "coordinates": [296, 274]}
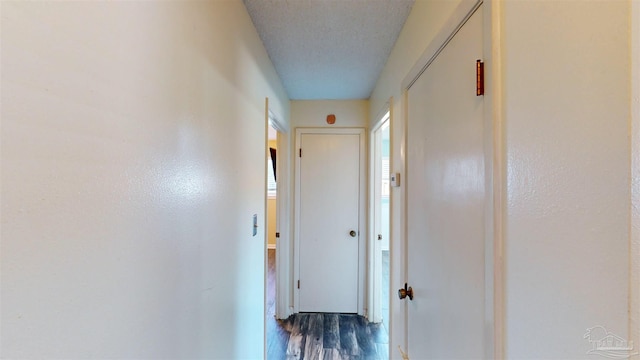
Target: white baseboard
{"type": "Point", "coordinates": [271, 246]}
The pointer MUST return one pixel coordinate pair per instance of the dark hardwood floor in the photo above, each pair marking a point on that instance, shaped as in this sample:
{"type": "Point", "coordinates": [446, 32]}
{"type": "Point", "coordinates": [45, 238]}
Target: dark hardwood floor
{"type": "Point", "coordinates": [308, 336]}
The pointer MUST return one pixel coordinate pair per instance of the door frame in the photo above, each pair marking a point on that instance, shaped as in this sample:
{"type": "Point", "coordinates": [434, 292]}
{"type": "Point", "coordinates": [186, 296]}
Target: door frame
{"type": "Point", "coordinates": [634, 287]}
{"type": "Point", "coordinates": [283, 252]}
{"type": "Point", "coordinates": [374, 300]}
{"type": "Point", "coordinates": [494, 162]}
{"type": "Point", "coordinates": [362, 225]}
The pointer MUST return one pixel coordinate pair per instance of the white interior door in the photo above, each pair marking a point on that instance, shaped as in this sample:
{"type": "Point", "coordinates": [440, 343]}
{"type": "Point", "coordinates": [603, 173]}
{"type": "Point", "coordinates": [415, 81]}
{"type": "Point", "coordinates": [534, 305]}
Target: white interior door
{"type": "Point", "coordinates": [445, 203]}
{"type": "Point", "coordinates": [329, 198]}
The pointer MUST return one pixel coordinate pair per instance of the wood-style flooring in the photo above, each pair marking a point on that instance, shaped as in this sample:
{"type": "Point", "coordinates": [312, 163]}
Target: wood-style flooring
{"type": "Point", "coordinates": [310, 336]}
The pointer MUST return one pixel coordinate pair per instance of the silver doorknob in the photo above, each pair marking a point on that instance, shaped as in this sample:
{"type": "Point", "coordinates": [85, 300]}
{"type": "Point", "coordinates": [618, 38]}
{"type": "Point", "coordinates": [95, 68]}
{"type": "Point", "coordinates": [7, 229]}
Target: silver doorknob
{"type": "Point", "coordinates": [353, 233]}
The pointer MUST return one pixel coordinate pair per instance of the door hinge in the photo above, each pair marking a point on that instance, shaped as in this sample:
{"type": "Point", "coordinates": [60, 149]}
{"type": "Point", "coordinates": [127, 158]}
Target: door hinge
{"type": "Point", "coordinates": [300, 153]}
{"type": "Point", "coordinates": [277, 235]}
{"type": "Point", "coordinates": [298, 284]}
{"type": "Point", "coordinates": [479, 78]}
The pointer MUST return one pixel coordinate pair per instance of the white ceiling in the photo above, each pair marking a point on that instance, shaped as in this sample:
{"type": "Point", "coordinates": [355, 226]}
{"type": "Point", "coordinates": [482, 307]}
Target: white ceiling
{"type": "Point", "coordinates": [328, 49]}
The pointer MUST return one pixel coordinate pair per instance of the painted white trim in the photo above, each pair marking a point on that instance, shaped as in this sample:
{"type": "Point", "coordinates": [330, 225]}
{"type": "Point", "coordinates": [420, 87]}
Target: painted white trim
{"type": "Point", "coordinates": [381, 116]}
{"type": "Point", "coordinates": [364, 233]}
{"type": "Point", "coordinates": [371, 309]}
{"type": "Point", "coordinates": [634, 245]}
{"type": "Point", "coordinates": [283, 191]}
{"type": "Point", "coordinates": [496, 184]}
{"type": "Point", "coordinates": [403, 269]}
{"type": "Point", "coordinates": [284, 252]}
{"type": "Point", "coordinates": [374, 300]}
{"type": "Point", "coordinates": [265, 224]}
{"type": "Point", "coordinates": [396, 248]}
{"type": "Point", "coordinates": [494, 160]}
{"type": "Point", "coordinates": [271, 247]}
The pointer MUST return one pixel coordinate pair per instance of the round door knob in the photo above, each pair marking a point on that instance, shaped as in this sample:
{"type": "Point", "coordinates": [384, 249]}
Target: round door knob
{"type": "Point", "coordinates": [352, 233]}
{"type": "Point", "coordinates": [406, 292]}
{"type": "Point", "coordinates": [402, 293]}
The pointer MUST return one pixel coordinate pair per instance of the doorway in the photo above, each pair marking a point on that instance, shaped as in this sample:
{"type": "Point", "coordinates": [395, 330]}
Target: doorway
{"type": "Point", "coordinates": [277, 246]}
{"type": "Point", "coordinates": [330, 228]}
{"type": "Point", "coordinates": [273, 331]}
{"type": "Point", "coordinates": [380, 234]}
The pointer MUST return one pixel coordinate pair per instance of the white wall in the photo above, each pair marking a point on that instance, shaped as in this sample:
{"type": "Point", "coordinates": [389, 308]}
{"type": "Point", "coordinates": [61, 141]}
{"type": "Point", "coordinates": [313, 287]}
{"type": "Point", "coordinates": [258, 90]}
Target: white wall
{"type": "Point", "coordinates": [566, 82]}
{"type": "Point", "coordinates": [313, 113]}
{"type": "Point", "coordinates": [424, 21]}
{"type": "Point", "coordinates": [132, 160]}
{"type": "Point", "coordinates": [566, 120]}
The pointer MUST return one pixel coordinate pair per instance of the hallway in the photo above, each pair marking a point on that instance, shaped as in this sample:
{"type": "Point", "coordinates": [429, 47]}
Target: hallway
{"type": "Point", "coordinates": [134, 200]}
{"type": "Point", "coordinates": [320, 335]}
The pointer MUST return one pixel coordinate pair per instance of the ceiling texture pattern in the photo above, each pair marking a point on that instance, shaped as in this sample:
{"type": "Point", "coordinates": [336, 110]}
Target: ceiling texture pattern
{"type": "Point", "coordinates": [328, 49]}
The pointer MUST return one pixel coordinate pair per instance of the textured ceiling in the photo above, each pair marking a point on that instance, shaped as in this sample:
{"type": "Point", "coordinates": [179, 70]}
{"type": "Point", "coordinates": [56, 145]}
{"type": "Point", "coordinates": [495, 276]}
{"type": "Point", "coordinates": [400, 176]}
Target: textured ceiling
{"type": "Point", "coordinates": [328, 49]}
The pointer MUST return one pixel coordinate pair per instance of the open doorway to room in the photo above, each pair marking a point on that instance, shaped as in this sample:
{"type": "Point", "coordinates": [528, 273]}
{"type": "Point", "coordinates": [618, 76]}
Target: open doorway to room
{"type": "Point", "coordinates": [274, 332]}
{"type": "Point", "coordinates": [272, 188]}
{"type": "Point", "coordinates": [272, 211]}
{"type": "Point", "coordinates": [380, 222]}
